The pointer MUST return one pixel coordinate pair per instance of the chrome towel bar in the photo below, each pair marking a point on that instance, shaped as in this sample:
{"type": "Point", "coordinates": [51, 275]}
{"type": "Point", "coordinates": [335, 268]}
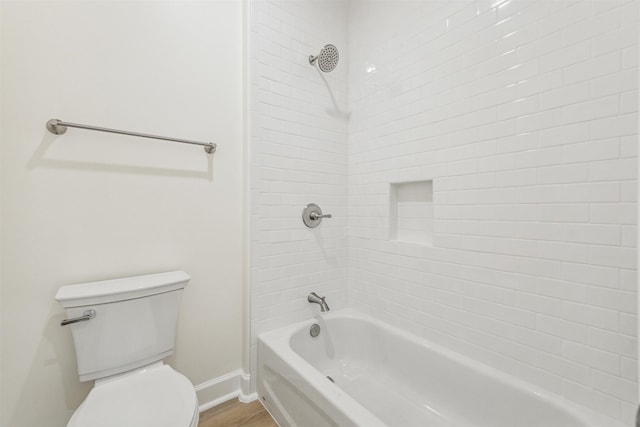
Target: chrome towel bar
{"type": "Point", "coordinates": [59, 127]}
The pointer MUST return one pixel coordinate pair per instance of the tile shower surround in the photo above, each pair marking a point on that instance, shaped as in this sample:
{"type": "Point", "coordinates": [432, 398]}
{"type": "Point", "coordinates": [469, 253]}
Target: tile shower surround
{"type": "Point", "coordinates": [524, 115]}
{"type": "Point", "coordinates": [299, 138]}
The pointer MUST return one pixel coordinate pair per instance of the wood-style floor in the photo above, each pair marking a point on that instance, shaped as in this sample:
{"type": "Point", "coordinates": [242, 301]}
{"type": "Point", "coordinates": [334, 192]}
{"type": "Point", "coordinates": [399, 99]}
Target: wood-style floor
{"type": "Point", "coordinates": [236, 414]}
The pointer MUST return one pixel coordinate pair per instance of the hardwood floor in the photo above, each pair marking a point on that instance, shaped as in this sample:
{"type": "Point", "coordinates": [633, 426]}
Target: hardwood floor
{"type": "Point", "coordinates": [236, 414]}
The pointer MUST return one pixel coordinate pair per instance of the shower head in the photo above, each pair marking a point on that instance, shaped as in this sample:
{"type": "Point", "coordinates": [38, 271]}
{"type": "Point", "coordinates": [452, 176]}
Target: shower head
{"type": "Point", "coordinates": [327, 59]}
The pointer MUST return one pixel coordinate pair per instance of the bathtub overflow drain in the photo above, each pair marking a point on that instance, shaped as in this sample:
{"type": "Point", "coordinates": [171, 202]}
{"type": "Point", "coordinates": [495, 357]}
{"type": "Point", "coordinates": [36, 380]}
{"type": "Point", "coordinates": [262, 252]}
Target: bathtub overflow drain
{"type": "Point", "coordinates": [315, 330]}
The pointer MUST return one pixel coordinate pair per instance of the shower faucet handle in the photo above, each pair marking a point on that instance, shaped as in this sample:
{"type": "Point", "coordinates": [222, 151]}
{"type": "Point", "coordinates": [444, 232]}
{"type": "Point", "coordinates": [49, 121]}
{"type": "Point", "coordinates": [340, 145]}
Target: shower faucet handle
{"type": "Point", "coordinates": [318, 215]}
{"type": "Point", "coordinates": [312, 215]}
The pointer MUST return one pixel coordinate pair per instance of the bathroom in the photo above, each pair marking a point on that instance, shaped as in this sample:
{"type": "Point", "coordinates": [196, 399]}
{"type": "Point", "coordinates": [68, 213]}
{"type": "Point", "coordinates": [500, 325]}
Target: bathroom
{"type": "Point", "coordinates": [478, 158]}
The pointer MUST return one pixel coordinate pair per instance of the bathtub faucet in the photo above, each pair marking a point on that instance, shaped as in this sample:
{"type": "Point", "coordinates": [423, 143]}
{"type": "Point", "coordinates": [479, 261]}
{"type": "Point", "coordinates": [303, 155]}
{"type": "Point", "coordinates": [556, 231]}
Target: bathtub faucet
{"type": "Point", "coordinates": [314, 298]}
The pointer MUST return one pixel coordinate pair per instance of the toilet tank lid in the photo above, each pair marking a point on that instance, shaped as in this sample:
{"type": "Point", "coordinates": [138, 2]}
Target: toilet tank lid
{"type": "Point", "coordinates": [125, 288]}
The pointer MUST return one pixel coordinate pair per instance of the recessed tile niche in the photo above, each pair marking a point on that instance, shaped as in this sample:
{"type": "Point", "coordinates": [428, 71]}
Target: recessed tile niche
{"type": "Point", "coordinates": [411, 216]}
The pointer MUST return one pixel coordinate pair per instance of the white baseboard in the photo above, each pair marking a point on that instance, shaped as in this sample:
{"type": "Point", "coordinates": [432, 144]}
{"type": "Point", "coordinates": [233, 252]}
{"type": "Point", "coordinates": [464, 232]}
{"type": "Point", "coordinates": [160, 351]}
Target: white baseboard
{"type": "Point", "coordinates": [245, 389]}
{"type": "Point", "coordinates": [247, 398]}
{"type": "Point", "coordinates": [226, 387]}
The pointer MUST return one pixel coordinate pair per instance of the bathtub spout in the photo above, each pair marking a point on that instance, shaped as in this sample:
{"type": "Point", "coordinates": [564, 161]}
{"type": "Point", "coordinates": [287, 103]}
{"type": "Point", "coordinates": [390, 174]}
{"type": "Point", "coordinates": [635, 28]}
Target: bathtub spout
{"type": "Point", "coordinates": [314, 298]}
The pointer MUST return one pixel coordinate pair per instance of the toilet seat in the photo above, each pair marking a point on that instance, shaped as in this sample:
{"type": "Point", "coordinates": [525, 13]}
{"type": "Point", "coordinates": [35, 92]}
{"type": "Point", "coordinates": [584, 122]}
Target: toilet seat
{"type": "Point", "coordinates": [154, 397]}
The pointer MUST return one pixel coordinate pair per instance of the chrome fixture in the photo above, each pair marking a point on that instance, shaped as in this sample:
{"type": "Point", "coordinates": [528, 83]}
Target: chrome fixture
{"type": "Point", "coordinates": [87, 315]}
{"type": "Point", "coordinates": [59, 127]}
{"type": "Point", "coordinates": [314, 298]}
{"type": "Point", "coordinates": [315, 330]}
{"type": "Point", "coordinates": [312, 215]}
{"type": "Point", "coordinates": [327, 59]}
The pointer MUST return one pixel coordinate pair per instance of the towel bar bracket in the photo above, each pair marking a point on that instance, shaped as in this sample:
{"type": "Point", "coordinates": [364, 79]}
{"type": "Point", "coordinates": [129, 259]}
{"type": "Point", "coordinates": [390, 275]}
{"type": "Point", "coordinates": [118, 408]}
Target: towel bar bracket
{"type": "Point", "coordinates": [53, 126]}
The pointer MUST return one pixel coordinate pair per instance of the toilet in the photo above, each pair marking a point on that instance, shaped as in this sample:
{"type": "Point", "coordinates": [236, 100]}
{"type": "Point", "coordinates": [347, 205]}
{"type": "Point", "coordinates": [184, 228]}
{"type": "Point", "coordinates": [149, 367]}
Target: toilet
{"type": "Point", "coordinates": [122, 330]}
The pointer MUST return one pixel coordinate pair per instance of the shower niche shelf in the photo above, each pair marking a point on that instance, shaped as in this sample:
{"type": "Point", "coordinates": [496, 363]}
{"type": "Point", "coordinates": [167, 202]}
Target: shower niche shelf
{"type": "Point", "coordinates": [411, 216]}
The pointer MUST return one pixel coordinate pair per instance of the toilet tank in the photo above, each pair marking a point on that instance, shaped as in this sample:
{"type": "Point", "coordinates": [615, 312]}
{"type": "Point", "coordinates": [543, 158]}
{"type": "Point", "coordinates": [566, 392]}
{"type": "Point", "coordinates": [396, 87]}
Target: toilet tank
{"type": "Point", "coordinates": [134, 325]}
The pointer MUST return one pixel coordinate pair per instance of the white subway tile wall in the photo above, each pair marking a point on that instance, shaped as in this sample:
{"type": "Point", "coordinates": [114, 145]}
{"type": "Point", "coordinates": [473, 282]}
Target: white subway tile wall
{"type": "Point", "coordinates": [299, 133]}
{"type": "Point", "coordinates": [524, 115]}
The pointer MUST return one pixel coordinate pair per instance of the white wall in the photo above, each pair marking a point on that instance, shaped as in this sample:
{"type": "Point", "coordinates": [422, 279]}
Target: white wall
{"type": "Point", "coordinates": [298, 156]}
{"type": "Point", "coordinates": [89, 206]}
{"type": "Point", "coordinates": [524, 114]}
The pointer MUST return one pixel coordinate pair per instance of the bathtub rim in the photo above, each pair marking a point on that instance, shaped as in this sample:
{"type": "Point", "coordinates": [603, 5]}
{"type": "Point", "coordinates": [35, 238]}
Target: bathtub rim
{"type": "Point", "coordinates": [279, 341]}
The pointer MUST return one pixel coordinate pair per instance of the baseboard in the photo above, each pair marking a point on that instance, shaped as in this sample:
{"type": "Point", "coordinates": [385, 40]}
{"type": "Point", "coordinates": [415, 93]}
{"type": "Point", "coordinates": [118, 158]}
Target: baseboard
{"type": "Point", "coordinates": [247, 398]}
{"type": "Point", "coordinates": [226, 387]}
{"type": "Point", "coordinates": [245, 389]}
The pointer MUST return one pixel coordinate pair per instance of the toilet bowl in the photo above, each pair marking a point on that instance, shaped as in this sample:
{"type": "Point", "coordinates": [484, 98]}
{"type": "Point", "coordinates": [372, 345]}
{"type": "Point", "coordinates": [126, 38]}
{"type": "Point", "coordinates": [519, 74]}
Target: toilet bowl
{"type": "Point", "coordinates": [154, 396]}
{"type": "Point", "coordinates": [122, 330]}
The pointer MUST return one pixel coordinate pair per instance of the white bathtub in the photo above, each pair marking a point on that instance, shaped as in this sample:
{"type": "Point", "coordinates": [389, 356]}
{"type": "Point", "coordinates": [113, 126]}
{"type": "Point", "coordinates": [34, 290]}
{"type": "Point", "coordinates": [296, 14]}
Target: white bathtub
{"type": "Point", "coordinates": [386, 377]}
